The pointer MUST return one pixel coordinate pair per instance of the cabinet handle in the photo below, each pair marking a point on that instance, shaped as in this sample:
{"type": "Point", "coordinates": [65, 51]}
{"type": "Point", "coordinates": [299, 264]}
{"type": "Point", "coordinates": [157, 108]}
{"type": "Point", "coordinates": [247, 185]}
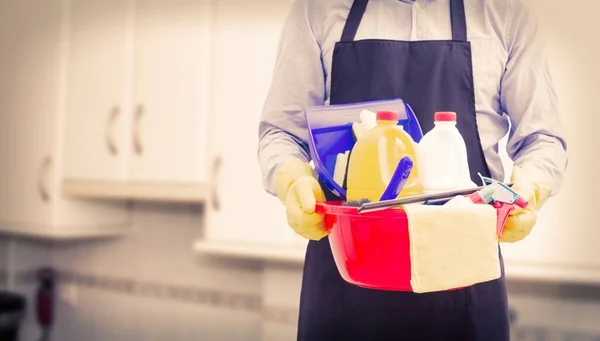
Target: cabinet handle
{"type": "Point", "coordinates": [110, 143]}
{"type": "Point", "coordinates": [216, 202]}
{"type": "Point", "coordinates": [42, 179]}
{"type": "Point", "coordinates": [137, 144]}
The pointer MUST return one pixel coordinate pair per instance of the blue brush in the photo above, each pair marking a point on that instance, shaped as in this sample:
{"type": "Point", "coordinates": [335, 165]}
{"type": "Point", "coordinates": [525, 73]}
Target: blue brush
{"type": "Point", "coordinates": [399, 178]}
{"type": "Point", "coordinates": [396, 184]}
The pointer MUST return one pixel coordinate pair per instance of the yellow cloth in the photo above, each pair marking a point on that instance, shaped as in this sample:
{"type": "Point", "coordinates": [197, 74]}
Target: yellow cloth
{"type": "Point", "coordinates": [298, 189]}
{"type": "Point", "coordinates": [451, 246]}
{"type": "Point", "coordinates": [521, 221]}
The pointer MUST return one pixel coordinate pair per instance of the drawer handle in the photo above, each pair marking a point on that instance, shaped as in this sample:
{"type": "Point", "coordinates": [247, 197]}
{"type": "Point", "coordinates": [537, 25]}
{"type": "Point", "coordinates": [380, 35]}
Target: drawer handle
{"type": "Point", "coordinates": [108, 134]}
{"type": "Point", "coordinates": [43, 179]}
{"type": "Point", "coordinates": [137, 143]}
{"type": "Point", "coordinates": [216, 202]}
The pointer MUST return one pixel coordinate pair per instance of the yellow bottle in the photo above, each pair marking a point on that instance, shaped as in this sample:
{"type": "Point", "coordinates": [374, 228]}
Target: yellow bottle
{"type": "Point", "coordinates": [374, 159]}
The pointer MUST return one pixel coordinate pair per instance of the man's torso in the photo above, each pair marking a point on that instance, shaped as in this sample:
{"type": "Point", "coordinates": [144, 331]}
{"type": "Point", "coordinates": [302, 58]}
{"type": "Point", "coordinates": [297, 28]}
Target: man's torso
{"type": "Point", "coordinates": [488, 22]}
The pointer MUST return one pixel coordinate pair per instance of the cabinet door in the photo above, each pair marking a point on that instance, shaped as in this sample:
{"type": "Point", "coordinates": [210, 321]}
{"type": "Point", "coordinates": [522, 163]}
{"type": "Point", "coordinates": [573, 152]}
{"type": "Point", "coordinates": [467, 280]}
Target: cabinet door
{"type": "Point", "coordinates": [96, 103]}
{"type": "Point", "coordinates": [246, 46]}
{"type": "Point", "coordinates": [29, 99]}
{"type": "Point", "coordinates": [170, 91]}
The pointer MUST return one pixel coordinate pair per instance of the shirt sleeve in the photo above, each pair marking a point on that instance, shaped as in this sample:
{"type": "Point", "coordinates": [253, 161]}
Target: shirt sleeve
{"type": "Point", "coordinates": [298, 82]}
{"type": "Point", "coordinates": [536, 141]}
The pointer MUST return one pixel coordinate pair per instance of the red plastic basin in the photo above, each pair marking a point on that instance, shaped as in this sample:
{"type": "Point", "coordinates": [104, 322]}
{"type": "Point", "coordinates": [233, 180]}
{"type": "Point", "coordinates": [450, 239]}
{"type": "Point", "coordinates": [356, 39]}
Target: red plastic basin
{"type": "Point", "coordinates": [372, 250]}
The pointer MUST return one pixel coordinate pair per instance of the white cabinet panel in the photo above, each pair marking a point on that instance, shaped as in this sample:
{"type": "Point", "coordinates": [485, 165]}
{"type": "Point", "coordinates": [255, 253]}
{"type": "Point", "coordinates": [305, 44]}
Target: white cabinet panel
{"type": "Point", "coordinates": [96, 146]}
{"type": "Point", "coordinates": [170, 91]}
{"type": "Point", "coordinates": [30, 125]}
{"type": "Point", "coordinates": [137, 99]}
{"type": "Point", "coordinates": [240, 212]}
{"type": "Point", "coordinates": [27, 111]}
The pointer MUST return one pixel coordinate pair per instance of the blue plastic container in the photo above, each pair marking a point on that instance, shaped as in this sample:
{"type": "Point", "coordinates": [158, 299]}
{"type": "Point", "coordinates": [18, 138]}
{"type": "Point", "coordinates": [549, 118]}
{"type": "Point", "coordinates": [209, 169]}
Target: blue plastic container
{"type": "Point", "coordinates": [330, 133]}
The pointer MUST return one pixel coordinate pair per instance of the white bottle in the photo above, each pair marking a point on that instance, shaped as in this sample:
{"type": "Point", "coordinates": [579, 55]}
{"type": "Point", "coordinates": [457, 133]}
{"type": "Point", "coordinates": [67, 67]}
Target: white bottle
{"type": "Point", "coordinates": [442, 157]}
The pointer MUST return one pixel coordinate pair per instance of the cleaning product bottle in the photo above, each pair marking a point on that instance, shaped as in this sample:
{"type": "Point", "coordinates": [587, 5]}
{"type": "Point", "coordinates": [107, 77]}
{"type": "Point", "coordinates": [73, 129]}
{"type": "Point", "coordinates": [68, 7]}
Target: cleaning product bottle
{"type": "Point", "coordinates": [443, 162]}
{"type": "Point", "coordinates": [374, 159]}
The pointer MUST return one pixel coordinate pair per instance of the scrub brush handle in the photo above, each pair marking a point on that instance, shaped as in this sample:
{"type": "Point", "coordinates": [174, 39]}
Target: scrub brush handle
{"type": "Point", "coordinates": [380, 205]}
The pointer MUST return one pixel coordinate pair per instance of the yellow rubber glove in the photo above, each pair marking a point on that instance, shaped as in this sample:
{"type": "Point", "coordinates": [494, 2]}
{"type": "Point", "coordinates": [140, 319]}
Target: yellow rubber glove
{"type": "Point", "coordinates": [299, 191]}
{"type": "Point", "coordinates": [521, 220]}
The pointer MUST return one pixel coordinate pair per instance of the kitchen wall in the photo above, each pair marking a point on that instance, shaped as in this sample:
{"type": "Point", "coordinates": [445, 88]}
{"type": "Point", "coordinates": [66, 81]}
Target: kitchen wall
{"type": "Point", "coordinates": [147, 285]}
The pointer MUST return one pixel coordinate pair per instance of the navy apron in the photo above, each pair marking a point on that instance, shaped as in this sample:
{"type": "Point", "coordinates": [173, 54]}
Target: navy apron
{"type": "Point", "coordinates": [431, 76]}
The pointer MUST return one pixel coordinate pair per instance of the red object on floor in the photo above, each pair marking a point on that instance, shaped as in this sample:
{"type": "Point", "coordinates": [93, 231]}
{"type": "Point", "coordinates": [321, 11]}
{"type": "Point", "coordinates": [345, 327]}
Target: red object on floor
{"type": "Point", "coordinates": [45, 297]}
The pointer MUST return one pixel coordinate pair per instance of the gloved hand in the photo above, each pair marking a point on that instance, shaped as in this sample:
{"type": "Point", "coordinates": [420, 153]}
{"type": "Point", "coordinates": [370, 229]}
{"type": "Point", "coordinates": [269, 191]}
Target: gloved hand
{"type": "Point", "coordinates": [521, 220]}
{"type": "Point", "coordinates": [298, 189]}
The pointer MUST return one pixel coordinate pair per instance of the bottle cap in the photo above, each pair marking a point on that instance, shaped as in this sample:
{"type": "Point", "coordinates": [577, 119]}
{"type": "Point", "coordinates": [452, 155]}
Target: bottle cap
{"type": "Point", "coordinates": [445, 116]}
{"type": "Point", "coordinates": [384, 115]}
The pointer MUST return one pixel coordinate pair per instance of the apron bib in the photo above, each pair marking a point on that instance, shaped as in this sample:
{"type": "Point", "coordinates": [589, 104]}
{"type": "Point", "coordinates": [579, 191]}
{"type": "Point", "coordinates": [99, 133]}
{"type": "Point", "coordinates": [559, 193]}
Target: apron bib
{"type": "Point", "coordinates": [430, 76]}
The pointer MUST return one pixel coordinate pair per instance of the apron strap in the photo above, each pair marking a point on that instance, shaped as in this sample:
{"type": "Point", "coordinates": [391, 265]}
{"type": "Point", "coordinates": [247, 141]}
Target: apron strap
{"type": "Point", "coordinates": [459, 20]}
{"type": "Point", "coordinates": [354, 17]}
{"type": "Point", "coordinates": [457, 15]}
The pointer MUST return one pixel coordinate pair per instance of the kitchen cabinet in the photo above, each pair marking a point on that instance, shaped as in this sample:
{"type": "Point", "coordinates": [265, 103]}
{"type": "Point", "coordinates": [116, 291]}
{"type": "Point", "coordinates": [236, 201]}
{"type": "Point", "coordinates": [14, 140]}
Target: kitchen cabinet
{"type": "Point", "coordinates": [32, 36]}
{"type": "Point", "coordinates": [170, 91]}
{"type": "Point", "coordinates": [137, 99]}
{"type": "Point", "coordinates": [241, 218]}
{"type": "Point", "coordinates": [96, 102]}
